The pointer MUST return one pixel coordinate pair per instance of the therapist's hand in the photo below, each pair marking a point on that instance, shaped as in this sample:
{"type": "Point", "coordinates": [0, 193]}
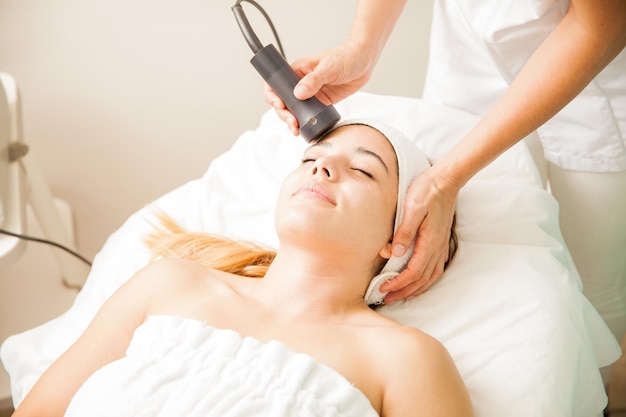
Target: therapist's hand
{"type": "Point", "coordinates": [429, 210]}
{"type": "Point", "coordinates": [330, 76]}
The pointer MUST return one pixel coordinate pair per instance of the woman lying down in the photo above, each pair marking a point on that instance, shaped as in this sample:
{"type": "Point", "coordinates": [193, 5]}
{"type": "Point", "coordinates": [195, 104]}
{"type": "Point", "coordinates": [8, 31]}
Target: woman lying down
{"type": "Point", "coordinates": [183, 339]}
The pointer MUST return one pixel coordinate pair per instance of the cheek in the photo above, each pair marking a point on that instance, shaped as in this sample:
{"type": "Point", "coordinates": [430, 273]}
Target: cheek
{"type": "Point", "coordinates": [377, 216]}
{"type": "Point", "coordinates": [387, 208]}
{"type": "Point", "coordinates": [388, 214]}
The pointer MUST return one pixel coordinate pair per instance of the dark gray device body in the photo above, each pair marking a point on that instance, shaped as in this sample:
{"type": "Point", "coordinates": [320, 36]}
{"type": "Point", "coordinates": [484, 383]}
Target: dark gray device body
{"type": "Point", "coordinates": [315, 118]}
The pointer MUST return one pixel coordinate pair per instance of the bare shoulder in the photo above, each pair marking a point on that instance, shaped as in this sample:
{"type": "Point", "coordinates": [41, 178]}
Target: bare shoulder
{"type": "Point", "coordinates": [173, 281]}
{"type": "Point", "coordinates": [407, 345]}
{"type": "Point", "coordinates": [167, 266]}
{"type": "Point", "coordinates": [178, 273]}
{"type": "Point", "coordinates": [416, 362]}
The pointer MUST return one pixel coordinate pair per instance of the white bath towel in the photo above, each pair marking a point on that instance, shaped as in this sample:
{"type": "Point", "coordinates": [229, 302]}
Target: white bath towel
{"type": "Point", "coordinates": [181, 367]}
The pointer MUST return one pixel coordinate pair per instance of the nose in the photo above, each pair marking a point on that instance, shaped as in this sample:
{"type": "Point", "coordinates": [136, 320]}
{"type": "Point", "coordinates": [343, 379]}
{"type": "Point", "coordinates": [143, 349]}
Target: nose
{"type": "Point", "coordinates": [323, 166]}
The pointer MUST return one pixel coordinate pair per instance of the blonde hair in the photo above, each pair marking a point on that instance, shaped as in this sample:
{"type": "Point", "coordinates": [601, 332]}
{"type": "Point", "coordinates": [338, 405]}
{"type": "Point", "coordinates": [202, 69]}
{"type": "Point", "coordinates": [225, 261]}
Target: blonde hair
{"type": "Point", "coordinates": [169, 240]}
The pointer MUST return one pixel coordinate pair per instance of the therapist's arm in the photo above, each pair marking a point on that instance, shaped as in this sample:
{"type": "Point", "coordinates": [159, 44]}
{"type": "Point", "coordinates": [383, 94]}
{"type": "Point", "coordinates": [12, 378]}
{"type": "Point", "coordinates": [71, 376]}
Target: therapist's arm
{"type": "Point", "coordinates": [339, 72]}
{"type": "Point", "coordinates": [589, 36]}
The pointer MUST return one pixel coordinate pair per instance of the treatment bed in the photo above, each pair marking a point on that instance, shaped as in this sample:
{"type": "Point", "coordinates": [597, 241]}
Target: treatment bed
{"type": "Point", "coordinates": [509, 309]}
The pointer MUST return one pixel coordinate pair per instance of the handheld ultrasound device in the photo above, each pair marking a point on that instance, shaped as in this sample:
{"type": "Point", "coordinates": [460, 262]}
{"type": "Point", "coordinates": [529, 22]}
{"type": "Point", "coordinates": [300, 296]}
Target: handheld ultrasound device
{"type": "Point", "coordinates": [314, 118]}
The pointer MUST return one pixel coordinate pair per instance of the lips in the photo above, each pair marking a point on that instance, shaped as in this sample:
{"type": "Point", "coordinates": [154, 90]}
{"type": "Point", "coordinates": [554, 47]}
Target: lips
{"type": "Point", "coordinates": [315, 190]}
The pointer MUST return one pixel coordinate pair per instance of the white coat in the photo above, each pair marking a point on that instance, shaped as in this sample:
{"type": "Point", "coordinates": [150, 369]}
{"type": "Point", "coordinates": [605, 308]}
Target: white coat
{"type": "Point", "coordinates": [478, 47]}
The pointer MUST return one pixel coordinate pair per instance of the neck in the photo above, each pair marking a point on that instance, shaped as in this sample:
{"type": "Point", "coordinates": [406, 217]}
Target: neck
{"type": "Point", "coordinates": [324, 286]}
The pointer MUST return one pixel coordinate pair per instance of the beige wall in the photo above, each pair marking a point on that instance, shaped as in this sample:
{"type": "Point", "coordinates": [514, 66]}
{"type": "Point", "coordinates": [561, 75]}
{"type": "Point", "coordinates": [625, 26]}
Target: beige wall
{"type": "Point", "coordinates": [125, 100]}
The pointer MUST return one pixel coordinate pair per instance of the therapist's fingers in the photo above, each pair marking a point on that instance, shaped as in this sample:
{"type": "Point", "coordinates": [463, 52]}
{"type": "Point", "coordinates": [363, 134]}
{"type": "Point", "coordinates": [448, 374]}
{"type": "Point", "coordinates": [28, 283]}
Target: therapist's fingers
{"type": "Point", "coordinates": [271, 98]}
{"type": "Point", "coordinates": [430, 254]}
{"type": "Point", "coordinates": [319, 76]}
{"type": "Point", "coordinates": [314, 72]}
{"type": "Point", "coordinates": [283, 113]}
{"type": "Point", "coordinates": [416, 209]}
{"type": "Point", "coordinates": [424, 268]}
{"type": "Point", "coordinates": [415, 287]}
{"type": "Point", "coordinates": [330, 76]}
{"type": "Point", "coordinates": [428, 214]}
{"type": "Point", "coordinates": [334, 74]}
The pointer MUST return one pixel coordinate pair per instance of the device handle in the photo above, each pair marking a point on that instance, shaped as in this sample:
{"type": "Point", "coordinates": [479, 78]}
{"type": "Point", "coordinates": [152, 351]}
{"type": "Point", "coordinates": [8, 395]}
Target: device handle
{"type": "Point", "coordinates": [314, 118]}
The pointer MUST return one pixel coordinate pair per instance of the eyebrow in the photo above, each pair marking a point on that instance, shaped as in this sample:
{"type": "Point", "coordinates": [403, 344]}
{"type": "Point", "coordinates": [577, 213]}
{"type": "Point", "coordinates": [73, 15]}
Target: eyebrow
{"type": "Point", "coordinates": [360, 149]}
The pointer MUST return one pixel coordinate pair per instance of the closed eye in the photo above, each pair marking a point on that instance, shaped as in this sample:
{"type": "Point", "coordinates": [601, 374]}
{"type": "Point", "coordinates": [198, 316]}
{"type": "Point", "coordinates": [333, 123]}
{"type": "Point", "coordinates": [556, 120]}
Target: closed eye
{"type": "Point", "coordinates": [366, 173]}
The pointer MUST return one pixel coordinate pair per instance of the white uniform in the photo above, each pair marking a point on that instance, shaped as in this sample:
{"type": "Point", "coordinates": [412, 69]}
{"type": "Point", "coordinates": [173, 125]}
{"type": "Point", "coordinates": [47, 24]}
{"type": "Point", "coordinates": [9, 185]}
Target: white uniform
{"type": "Point", "coordinates": [477, 48]}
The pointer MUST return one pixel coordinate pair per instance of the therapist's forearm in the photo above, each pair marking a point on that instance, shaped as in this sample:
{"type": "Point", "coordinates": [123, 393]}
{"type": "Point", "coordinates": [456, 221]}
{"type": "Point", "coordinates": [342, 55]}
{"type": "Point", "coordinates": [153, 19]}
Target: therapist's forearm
{"type": "Point", "coordinates": [373, 23]}
{"type": "Point", "coordinates": [589, 36]}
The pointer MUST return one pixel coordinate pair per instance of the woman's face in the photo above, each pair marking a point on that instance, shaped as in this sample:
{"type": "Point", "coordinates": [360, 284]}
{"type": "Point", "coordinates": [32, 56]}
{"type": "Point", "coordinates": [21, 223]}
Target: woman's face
{"type": "Point", "coordinates": [343, 195]}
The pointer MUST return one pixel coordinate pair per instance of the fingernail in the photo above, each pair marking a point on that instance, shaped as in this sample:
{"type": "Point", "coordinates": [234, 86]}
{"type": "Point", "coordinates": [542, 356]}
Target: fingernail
{"type": "Point", "coordinates": [300, 91]}
{"type": "Point", "coordinates": [276, 104]}
{"type": "Point", "coordinates": [398, 250]}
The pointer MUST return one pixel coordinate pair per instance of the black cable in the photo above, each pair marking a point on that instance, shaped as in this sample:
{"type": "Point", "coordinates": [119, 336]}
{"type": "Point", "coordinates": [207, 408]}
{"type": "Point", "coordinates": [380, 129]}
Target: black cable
{"type": "Point", "coordinates": [47, 242]}
{"type": "Point", "coordinates": [247, 31]}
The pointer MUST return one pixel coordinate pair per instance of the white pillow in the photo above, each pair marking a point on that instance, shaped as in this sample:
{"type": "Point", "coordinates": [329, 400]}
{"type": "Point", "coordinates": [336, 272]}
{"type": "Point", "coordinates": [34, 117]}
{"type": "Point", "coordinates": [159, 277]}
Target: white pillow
{"type": "Point", "coordinates": [509, 309]}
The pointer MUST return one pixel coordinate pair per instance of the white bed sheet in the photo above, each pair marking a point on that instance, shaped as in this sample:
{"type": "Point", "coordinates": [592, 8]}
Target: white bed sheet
{"type": "Point", "coordinates": [509, 309]}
